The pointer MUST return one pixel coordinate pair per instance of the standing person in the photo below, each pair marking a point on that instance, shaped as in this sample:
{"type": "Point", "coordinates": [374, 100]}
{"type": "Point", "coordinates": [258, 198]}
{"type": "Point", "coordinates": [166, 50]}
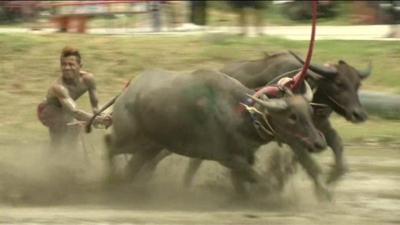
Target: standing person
{"type": "Point", "coordinates": [59, 111]}
{"type": "Point", "coordinates": [393, 8]}
{"type": "Point", "coordinates": [156, 8]}
{"type": "Point", "coordinates": [257, 7]}
{"type": "Point", "coordinates": [163, 15]}
{"type": "Point", "coordinates": [198, 12]}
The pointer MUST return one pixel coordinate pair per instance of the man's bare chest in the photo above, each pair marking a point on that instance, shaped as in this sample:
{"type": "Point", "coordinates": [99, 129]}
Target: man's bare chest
{"type": "Point", "coordinates": [76, 90]}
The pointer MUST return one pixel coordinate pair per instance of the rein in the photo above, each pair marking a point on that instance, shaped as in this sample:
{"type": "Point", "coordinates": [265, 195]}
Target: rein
{"type": "Point", "coordinates": [334, 101]}
{"type": "Point", "coordinates": [300, 77]}
{"type": "Point", "coordinates": [88, 126]}
{"type": "Point", "coordinates": [302, 74]}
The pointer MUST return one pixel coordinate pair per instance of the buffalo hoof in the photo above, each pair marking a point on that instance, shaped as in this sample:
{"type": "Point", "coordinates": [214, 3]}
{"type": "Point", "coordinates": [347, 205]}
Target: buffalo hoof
{"type": "Point", "coordinates": [336, 174]}
{"type": "Point", "coordinates": [324, 194]}
{"type": "Point", "coordinates": [263, 188]}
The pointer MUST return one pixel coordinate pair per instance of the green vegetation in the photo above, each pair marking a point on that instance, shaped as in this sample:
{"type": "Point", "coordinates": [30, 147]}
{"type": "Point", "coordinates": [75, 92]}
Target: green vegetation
{"type": "Point", "coordinates": [28, 64]}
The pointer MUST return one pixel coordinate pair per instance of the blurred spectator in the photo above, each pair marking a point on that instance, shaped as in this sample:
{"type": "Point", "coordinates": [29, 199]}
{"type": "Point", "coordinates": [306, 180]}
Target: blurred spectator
{"type": "Point", "coordinates": [198, 12]}
{"type": "Point", "coordinates": [17, 11]}
{"type": "Point", "coordinates": [257, 9]}
{"type": "Point", "coordinates": [163, 14]}
{"type": "Point", "coordinates": [172, 12]}
{"type": "Point", "coordinates": [302, 10]}
{"type": "Point", "coordinates": [366, 12]}
{"type": "Point", "coordinates": [155, 8]}
{"type": "Point", "coordinates": [393, 9]}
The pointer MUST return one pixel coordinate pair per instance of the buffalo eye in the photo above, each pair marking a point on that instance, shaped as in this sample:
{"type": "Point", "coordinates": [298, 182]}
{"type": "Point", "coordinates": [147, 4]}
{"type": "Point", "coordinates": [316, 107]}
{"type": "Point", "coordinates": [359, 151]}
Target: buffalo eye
{"type": "Point", "coordinates": [339, 84]}
{"type": "Point", "coordinates": [293, 118]}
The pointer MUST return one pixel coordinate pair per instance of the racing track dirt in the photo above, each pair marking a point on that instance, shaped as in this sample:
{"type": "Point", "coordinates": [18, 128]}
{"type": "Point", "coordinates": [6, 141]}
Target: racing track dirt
{"type": "Point", "coordinates": [41, 188]}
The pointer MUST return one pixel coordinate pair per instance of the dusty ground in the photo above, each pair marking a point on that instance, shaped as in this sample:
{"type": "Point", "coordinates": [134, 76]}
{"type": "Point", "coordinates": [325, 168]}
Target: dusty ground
{"type": "Point", "coordinates": [41, 188]}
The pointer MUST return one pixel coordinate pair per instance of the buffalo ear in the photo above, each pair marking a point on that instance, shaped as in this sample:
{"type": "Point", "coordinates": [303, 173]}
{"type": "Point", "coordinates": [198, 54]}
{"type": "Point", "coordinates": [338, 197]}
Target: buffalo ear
{"type": "Point", "coordinates": [315, 76]}
{"type": "Point", "coordinates": [342, 62]}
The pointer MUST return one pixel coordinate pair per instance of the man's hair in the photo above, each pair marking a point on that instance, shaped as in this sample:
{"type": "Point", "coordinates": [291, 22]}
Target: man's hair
{"type": "Point", "coordinates": [69, 51]}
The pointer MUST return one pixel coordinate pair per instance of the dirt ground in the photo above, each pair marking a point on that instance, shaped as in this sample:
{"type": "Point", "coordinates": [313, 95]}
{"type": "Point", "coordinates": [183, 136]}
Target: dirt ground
{"type": "Point", "coordinates": [37, 187]}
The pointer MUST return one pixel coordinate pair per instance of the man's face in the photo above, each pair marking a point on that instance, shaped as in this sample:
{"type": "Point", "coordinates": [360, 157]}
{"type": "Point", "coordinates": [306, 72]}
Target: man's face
{"type": "Point", "coordinates": [70, 67]}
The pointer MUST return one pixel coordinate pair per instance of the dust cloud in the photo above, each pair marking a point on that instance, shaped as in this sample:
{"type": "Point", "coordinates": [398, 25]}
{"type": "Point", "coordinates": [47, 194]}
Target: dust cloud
{"type": "Point", "coordinates": [40, 186]}
{"type": "Point", "coordinates": [36, 175]}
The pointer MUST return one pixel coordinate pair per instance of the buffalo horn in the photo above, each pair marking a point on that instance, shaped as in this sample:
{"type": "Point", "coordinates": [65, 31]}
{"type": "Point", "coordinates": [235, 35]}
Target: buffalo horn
{"type": "Point", "coordinates": [315, 68]}
{"type": "Point", "coordinates": [308, 95]}
{"type": "Point", "coordinates": [271, 104]}
{"type": "Point", "coordinates": [366, 72]}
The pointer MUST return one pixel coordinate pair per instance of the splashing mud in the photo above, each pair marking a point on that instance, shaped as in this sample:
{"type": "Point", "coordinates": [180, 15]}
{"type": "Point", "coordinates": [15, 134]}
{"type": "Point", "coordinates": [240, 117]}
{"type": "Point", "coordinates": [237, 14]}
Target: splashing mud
{"type": "Point", "coordinates": [39, 186]}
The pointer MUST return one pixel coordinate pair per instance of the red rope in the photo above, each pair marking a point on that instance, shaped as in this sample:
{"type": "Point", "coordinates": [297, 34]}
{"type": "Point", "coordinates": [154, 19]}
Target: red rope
{"type": "Point", "coordinates": [299, 78]}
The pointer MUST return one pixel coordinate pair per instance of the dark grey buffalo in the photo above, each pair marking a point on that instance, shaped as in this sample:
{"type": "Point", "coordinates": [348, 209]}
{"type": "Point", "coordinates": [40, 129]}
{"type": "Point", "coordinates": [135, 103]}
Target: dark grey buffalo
{"type": "Point", "coordinates": [208, 115]}
{"type": "Point", "coordinates": [335, 86]}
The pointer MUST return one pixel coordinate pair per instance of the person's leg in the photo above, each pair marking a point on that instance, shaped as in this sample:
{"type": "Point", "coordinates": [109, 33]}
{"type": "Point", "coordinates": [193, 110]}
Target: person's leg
{"type": "Point", "coordinates": [198, 13]}
{"type": "Point", "coordinates": [396, 24]}
{"type": "Point", "coordinates": [155, 12]}
{"type": "Point", "coordinates": [259, 9]}
{"type": "Point", "coordinates": [63, 24]}
{"type": "Point", "coordinates": [241, 12]}
{"type": "Point", "coordinates": [259, 21]}
{"type": "Point", "coordinates": [56, 137]}
{"type": "Point", "coordinates": [171, 14]}
{"type": "Point", "coordinates": [71, 138]}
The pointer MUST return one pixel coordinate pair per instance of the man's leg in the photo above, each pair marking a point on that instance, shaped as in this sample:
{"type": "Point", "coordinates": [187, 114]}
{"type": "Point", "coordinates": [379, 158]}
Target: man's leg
{"type": "Point", "coordinates": [259, 21]}
{"type": "Point", "coordinates": [56, 136]}
{"type": "Point", "coordinates": [71, 138]}
{"type": "Point", "coordinates": [242, 20]}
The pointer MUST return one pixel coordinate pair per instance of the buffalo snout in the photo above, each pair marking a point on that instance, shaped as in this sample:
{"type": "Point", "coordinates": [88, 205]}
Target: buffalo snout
{"type": "Point", "coordinates": [358, 115]}
{"type": "Point", "coordinates": [318, 144]}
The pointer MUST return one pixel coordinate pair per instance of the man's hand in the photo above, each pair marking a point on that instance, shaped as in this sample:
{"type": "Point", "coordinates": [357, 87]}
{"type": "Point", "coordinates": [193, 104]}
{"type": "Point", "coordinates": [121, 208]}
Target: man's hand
{"type": "Point", "coordinates": [95, 110]}
{"type": "Point", "coordinates": [102, 120]}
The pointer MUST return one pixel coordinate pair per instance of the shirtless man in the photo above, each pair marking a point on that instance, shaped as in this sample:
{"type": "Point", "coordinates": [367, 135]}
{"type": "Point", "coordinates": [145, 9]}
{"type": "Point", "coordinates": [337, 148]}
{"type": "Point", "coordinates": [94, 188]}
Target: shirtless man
{"type": "Point", "coordinates": [59, 111]}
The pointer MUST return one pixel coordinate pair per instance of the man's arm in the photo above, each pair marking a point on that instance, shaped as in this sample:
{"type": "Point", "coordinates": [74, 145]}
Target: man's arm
{"type": "Point", "coordinates": [68, 103]}
{"type": "Point", "coordinates": [91, 84]}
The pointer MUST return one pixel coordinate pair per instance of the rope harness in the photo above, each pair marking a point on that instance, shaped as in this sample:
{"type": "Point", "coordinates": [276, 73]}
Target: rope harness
{"type": "Point", "coordinates": [274, 90]}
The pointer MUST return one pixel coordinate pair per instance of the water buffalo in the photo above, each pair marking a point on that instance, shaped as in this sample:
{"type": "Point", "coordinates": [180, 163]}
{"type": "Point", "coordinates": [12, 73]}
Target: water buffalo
{"type": "Point", "coordinates": [335, 86]}
{"type": "Point", "coordinates": [209, 115]}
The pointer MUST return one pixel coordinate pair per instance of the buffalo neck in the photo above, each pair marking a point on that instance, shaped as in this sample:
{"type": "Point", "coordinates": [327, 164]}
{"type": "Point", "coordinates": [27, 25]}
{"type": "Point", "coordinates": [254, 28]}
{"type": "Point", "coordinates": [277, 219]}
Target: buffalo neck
{"type": "Point", "coordinates": [323, 108]}
{"type": "Point", "coordinates": [255, 127]}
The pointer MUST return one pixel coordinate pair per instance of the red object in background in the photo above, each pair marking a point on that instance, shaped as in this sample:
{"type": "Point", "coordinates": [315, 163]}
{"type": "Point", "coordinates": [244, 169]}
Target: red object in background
{"type": "Point", "coordinates": [80, 3]}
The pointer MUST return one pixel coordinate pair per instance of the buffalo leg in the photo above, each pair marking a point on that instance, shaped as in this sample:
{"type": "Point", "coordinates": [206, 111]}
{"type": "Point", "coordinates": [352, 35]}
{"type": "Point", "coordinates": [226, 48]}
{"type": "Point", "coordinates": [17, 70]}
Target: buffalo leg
{"type": "Point", "coordinates": [194, 165]}
{"type": "Point", "coordinates": [238, 183]}
{"type": "Point", "coordinates": [110, 158]}
{"type": "Point", "coordinates": [149, 168]}
{"type": "Point", "coordinates": [139, 159]}
{"type": "Point", "coordinates": [241, 171]}
{"type": "Point", "coordinates": [314, 171]}
{"type": "Point", "coordinates": [334, 141]}
{"type": "Point", "coordinates": [281, 166]}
